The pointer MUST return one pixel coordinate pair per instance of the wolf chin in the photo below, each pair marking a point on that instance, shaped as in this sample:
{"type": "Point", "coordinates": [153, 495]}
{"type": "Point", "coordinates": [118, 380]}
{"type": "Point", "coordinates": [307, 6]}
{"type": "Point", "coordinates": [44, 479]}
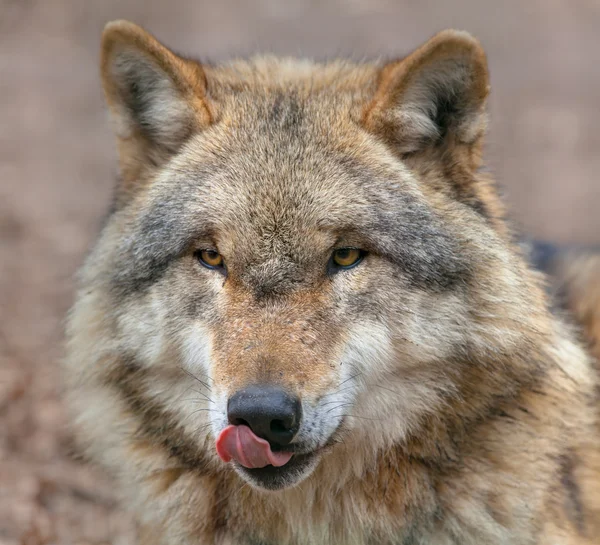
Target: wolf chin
{"type": "Point", "coordinates": [307, 320]}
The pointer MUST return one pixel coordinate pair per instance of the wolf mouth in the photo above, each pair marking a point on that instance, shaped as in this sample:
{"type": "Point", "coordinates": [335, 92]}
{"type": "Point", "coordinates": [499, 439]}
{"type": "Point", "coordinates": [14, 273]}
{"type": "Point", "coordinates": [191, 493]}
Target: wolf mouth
{"type": "Point", "coordinates": [277, 478]}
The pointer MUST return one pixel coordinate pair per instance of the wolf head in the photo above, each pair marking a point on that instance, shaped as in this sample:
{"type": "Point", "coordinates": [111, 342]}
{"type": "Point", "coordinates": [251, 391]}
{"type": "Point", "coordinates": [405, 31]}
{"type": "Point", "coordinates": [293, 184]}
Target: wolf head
{"type": "Point", "coordinates": [302, 255]}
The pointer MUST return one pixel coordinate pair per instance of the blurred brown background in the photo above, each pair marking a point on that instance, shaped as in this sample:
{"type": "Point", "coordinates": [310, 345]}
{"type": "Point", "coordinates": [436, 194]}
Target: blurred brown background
{"type": "Point", "coordinates": [57, 167]}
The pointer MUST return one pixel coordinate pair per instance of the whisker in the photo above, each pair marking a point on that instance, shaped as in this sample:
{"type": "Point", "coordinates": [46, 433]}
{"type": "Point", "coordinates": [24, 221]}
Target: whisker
{"type": "Point", "coordinates": [347, 389]}
{"type": "Point", "coordinates": [329, 403]}
{"type": "Point", "coordinates": [376, 385]}
{"type": "Point", "coordinates": [195, 377]}
{"type": "Point", "coordinates": [202, 410]}
{"type": "Point", "coordinates": [203, 394]}
{"type": "Point", "coordinates": [387, 389]}
{"type": "Point", "coordinates": [340, 405]}
{"type": "Point", "coordinates": [202, 429]}
{"type": "Point", "coordinates": [359, 417]}
{"type": "Point", "coordinates": [196, 400]}
{"type": "Point", "coordinates": [339, 390]}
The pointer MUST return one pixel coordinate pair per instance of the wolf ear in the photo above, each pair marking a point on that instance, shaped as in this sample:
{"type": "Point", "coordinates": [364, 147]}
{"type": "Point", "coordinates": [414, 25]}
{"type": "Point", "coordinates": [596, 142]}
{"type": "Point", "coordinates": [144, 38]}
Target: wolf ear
{"type": "Point", "coordinates": [156, 98]}
{"type": "Point", "coordinates": [436, 94]}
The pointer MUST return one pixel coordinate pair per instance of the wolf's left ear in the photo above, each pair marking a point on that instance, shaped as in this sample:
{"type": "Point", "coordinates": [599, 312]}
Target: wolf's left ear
{"type": "Point", "coordinates": [156, 98]}
{"type": "Point", "coordinates": [436, 94]}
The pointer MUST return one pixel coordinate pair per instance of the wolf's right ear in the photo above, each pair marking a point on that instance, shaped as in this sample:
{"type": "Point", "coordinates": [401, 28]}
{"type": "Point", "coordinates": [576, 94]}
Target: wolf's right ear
{"type": "Point", "coordinates": [156, 98]}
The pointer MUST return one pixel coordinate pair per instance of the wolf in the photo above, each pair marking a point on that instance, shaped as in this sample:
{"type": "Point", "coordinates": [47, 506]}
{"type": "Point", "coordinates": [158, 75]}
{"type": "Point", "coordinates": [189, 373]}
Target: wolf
{"type": "Point", "coordinates": [308, 321]}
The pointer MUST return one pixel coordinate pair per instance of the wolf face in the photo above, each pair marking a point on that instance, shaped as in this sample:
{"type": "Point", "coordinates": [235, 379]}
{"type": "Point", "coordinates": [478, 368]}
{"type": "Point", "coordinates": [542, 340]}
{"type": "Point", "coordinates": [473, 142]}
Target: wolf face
{"type": "Point", "coordinates": [301, 255]}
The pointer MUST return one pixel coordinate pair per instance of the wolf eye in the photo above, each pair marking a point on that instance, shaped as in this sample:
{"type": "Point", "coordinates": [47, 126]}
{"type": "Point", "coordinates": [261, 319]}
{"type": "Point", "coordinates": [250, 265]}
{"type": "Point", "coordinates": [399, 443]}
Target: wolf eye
{"type": "Point", "coordinates": [210, 259]}
{"type": "Point", "coordinates": [346, 258]}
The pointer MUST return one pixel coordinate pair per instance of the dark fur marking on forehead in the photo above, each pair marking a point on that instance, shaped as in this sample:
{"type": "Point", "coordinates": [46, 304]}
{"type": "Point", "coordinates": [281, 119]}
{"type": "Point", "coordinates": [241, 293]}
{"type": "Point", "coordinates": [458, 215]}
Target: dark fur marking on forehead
{"type": "Point", "coordinates": [156, 423]}
{"type": "Point", "coordinates": [273, 278]}
{"type": "Point", "coordinates": [286, 112]}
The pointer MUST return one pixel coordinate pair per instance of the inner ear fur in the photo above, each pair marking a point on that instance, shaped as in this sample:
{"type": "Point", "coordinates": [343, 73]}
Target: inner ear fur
{"type": "Point", "coordinates": [436, 94]}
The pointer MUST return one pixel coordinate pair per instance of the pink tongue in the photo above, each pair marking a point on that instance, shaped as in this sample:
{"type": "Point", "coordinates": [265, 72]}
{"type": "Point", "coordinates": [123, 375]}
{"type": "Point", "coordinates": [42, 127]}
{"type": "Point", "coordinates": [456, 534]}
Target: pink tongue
{"type": "Point", "coordinates": [240, 444]}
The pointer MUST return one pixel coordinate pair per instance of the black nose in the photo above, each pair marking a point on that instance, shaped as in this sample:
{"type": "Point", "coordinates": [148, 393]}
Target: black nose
{"type": "Point", "coordinates": [269, 411]}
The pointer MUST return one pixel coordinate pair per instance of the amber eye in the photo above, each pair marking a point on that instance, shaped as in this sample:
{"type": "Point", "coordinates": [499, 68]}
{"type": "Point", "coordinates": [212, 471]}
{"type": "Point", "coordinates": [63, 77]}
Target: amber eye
{"type": "Point", "coordinates": [345, 258]}
{"type": "Point", "coordinates": [210, 259]}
